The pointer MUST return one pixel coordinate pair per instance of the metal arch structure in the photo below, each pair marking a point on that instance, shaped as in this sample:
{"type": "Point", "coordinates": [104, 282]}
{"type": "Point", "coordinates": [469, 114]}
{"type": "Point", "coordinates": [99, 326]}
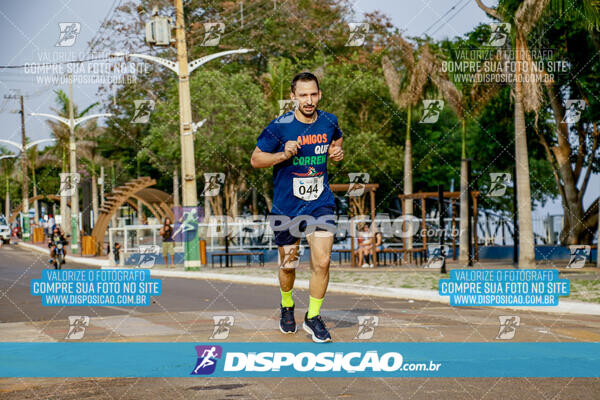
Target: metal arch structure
{"type": "Point", "coordinates": [19, 208]}
{"type": "Point", "coordinates": [158, 202]}
{"type": "Point", "coordinates": [160, 208]}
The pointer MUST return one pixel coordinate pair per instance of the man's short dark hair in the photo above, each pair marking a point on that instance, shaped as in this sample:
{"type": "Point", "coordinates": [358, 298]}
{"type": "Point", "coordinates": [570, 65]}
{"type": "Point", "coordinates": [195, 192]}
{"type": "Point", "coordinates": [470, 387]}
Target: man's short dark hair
{"type": "Point", "coordinates": [304, 77]}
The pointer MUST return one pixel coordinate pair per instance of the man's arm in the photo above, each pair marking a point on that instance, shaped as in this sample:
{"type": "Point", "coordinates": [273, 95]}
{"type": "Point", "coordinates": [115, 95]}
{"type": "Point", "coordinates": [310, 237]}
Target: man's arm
{"type": "Point", "coordinates": [261, 159]}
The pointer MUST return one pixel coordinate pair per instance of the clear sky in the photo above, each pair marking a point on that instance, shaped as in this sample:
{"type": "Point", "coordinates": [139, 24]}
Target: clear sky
{"type": "Point", "coordinates": [30, 31]}
{"type": "Point", "coordinates": [437, 18]}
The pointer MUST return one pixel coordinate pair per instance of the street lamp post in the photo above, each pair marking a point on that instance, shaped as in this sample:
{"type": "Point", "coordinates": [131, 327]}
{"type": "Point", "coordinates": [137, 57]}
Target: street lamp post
{"type": "Point", "coordinates": [72, 122]}
{"type": "Point", "coordinates": [186, 128]}
{"type": "Point", "coordinates": [7, 195]}
{"type": "Point", "coordinates": [25, 195]}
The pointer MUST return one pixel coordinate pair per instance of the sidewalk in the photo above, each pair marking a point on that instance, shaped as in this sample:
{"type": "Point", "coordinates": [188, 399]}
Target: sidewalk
{"type": "Point", "coordinates": [404, 282]}
{"type": "Point", "coordinates": [103, 261]}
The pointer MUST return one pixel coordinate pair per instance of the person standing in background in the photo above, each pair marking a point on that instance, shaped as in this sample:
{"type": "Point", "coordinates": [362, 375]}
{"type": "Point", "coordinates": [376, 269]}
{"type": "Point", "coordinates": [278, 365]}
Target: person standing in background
{"type": "Point", "coordinates": [166, 232]}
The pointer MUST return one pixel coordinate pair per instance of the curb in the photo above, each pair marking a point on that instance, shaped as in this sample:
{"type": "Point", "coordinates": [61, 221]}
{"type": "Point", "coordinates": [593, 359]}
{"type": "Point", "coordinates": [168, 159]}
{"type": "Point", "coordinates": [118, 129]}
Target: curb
{"type": "Point", "coordinates": [74, 259]}
{"type": "Point", "coordinates": [564, 306]}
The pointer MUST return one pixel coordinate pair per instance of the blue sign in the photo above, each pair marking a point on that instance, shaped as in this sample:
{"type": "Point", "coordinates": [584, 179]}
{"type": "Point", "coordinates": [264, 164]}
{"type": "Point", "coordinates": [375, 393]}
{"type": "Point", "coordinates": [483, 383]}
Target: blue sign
{"type": "Point", "coordinates": [364, 359]}
{"type": "Point", "coordinates": [504, 287]}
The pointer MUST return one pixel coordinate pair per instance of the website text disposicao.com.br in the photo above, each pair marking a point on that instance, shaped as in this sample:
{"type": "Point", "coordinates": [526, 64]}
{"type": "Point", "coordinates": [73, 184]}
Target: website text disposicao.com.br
{"type": "Point", "coordinates": [509, 299]}
{"type": "Point", "coordinates": [324, 362]}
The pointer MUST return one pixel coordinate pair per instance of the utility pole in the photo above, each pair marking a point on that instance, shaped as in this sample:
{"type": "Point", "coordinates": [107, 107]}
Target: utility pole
{"type": "Point", "coordinates": [25, 183]}
{"type": "Point", "coordinates": [190, 194]}
{"type": "Point", "coordinates": [188, 165]}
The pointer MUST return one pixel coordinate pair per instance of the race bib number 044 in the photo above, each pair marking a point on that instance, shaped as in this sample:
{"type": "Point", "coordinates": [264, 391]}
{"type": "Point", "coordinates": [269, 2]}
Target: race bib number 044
{"type": "Point", "coordinates": [308, 189]}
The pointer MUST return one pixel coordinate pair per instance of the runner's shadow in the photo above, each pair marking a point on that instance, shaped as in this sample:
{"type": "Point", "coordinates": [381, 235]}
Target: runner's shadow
{"type": "Point", "coordinates": [230, 386]}
{"type": "Point", "coordinates": [347, 318]}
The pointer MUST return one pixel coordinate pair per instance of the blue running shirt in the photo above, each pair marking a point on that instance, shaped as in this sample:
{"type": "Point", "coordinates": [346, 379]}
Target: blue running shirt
{"type": "Point", "coordinates": [301, 183]}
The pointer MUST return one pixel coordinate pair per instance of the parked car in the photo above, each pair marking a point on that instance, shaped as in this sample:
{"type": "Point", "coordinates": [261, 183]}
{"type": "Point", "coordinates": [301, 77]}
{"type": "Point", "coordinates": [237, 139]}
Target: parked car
{"type": "Point", "coordinates": [4, 230]}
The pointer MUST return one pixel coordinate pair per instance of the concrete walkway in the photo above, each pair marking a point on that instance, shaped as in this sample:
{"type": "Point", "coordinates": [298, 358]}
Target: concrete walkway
{"type": "Point", "coordinates": [564, 306]}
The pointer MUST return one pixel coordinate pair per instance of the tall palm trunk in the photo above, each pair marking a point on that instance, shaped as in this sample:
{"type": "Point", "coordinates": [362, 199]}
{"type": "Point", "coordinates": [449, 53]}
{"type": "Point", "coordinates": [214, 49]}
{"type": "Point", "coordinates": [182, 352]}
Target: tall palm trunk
{"type": "Point", "coordinates": [65, 215]}
{"type": "Point", "coordinates": [114, 222]}
{"type": "Point", "coordinates": [102, 178]}
{"type": "Point", "coordinates": [463, 255]}
{"type": "Point", "coordinates": [526, 245]}
{"type": "Point", "coordinates": [140, 206]}
{"type": "Point", "coordinates": [94, 195]}
{"type": "Point", "coordinates": [7, 210]}
{"type": "Point", "coordinates": [175, 188]}
{"type": "Point", "coordinates": [408, 185]}
{"type": "Point", "coordinates": [36, 217]}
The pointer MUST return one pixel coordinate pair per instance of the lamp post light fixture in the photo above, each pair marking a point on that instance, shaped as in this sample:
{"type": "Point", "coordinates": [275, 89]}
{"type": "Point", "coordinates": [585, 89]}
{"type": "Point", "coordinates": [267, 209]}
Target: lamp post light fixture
{"type": "Point", "coordinates": [7, 194]}
{"type": "Point", "coordinates": [182, 69]}
{"type": "Point", "coordinates": [25, 195]}
{"type": "Point", "coordinates": [72, 122]}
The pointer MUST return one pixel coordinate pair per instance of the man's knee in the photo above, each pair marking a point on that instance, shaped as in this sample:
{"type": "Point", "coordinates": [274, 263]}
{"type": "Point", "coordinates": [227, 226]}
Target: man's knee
{"type": "Point", "coordinates": [287, 271]}
{"type": "Point", "coordinates": [321, 263]}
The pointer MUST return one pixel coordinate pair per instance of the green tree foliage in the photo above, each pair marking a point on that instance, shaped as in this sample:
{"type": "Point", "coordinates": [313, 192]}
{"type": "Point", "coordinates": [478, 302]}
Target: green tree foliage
{"type": "Point", "coordinates": [239, 95]}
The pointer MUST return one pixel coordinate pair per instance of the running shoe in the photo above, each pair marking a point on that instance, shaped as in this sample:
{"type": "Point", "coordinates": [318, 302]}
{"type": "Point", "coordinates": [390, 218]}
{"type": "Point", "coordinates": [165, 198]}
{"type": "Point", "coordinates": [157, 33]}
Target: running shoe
{"type": "Point", "coordinates": [316, 327]}
{"type": "Point", "coordinates": [287, 323]}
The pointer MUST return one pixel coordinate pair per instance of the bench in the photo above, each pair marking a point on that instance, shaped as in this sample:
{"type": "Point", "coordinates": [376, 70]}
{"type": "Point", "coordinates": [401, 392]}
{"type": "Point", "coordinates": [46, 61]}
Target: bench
{"type": "Point", "coordinates": [419, 254]}
{"type": "Point", "coordinates": [345, 252]}
{"type": "Point", "coordinates": [247, 254]}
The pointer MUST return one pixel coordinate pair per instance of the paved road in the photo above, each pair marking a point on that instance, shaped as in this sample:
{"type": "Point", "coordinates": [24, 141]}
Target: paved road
{"type": "Point", "coordinates": [184, 313]}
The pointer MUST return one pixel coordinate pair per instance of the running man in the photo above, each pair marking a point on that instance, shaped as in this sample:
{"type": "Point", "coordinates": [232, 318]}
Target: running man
{"type": "Point", "coordinates": [207, 361]}
{"type": "Point", "coordinates": [298, 144]}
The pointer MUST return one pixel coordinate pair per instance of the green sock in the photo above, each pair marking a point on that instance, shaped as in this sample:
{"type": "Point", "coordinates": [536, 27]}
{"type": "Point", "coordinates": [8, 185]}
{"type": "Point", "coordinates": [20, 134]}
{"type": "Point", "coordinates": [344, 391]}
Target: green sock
{"type": "Point", "coordinates": [314, 306]}
{"type": "Point", "coordinates": [286, 298]}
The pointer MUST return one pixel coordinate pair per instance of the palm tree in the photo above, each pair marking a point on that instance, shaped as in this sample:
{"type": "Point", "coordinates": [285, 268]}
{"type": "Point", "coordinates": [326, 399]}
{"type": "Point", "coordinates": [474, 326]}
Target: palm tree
{"type": "Point", "coordinates": [34, 161]}
{"type": "Point", "coordinates": [275, 85]}
{"type": "Point", "coordinates": [92, 158]}
{"type": "Point", "coordinates": [8, 168]}
{"type": "Point", "coordinates": [61, 132]}
{"type": "Point", "coordinates": [420, 68]}
{"type": "Point", "coordinates": [527, 97]}
{"type": "Point", "coordinates": [467, 101]}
